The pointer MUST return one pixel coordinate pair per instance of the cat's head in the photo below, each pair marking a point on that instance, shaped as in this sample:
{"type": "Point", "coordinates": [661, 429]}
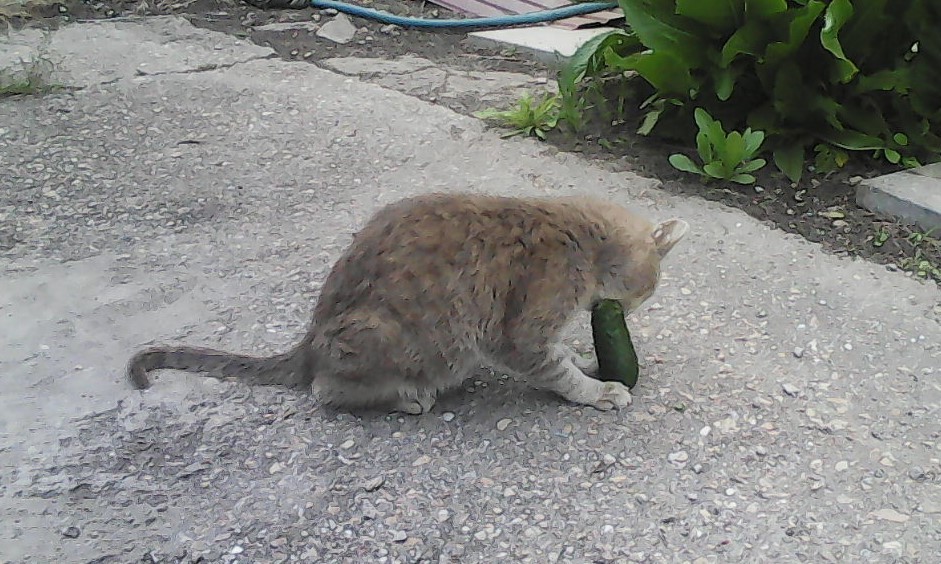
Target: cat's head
{"type": "Point", "coordinates": [631, 265]}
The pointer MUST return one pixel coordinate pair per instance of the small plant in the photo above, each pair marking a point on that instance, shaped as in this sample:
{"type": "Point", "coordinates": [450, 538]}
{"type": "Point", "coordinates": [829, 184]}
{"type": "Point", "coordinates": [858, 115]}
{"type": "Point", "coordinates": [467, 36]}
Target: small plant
{"type": "Point", "coordinates": [829, 159]}
{"type": "Point", "coordinates": [923, 252]}
{"type": "Point", "coordinates": [881, 237]}
{"type": "Point", "coordinates": [926, 247]}
{"type": "Point", "coordinates": [724, 156]}
{"type": "Point", "coordinates": [529, 117]}
{"type": "Point", "coordinates": [31, 76]}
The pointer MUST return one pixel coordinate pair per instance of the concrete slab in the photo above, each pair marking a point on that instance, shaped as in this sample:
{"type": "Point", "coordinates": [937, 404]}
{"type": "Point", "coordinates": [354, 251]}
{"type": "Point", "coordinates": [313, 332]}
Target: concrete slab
{"type": "Point", "coordinates": [912, 196]}
{"type": "Point", "coordinates": [931, 171]}
{"type": "Point", "coordinates": [549, 45]}
{"type": "Point", "coordinates": [787, 406]}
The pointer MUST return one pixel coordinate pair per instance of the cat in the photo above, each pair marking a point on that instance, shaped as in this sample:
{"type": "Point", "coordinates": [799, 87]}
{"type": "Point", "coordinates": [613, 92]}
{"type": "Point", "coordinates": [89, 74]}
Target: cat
{"type": "Point", "coordinates": [433, 286]}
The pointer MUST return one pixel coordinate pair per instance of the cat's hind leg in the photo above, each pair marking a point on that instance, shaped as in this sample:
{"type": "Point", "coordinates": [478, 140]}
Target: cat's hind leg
{"type": "Point", "coordinates": [368, 360]}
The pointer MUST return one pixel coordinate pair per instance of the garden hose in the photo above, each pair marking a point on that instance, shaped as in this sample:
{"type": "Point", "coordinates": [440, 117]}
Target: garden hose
{"type": "Point", "coordinates": [427, 23]}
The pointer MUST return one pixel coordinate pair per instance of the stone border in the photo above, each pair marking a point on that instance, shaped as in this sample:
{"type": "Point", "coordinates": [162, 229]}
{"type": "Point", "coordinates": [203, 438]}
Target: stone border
{"type": "Point", "coordinates": [913, 196]}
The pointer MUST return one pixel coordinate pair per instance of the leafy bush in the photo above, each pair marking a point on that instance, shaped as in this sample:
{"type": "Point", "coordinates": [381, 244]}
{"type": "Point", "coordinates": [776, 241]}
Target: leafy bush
{"type": "Point", "coordinates": [832, 75]}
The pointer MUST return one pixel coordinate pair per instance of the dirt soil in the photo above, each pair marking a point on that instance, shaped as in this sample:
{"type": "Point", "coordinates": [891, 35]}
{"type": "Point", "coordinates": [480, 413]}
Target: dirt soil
{"type": "Point", "coordinates": [821, 208]}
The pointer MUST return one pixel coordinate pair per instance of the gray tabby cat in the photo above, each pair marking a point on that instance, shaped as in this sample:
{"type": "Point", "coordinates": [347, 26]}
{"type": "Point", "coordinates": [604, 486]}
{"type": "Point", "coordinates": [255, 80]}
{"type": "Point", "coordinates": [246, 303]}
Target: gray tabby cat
{"type": "Point", "coordinates": [434, 286]}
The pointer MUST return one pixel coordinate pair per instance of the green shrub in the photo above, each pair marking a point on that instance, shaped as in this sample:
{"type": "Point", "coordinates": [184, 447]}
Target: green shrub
{"type": "Point", "coordinates": [833, 76]}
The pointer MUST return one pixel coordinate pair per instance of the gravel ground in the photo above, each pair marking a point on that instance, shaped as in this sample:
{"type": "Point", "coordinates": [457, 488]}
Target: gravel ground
{"type": "Point", "coordinates": [787, 408]}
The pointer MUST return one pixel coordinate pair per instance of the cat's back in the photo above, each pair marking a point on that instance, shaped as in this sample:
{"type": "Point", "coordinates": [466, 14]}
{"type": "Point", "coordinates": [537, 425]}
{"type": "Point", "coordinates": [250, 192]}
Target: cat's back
{"type": "Point", "coordinates": [466, 227]}
{"type": "Point", "coordinates": [443, 243]}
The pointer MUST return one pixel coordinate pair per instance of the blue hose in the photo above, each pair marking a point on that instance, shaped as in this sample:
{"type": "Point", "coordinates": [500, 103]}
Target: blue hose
{"type": "Point", "coordinates": [496, 21]}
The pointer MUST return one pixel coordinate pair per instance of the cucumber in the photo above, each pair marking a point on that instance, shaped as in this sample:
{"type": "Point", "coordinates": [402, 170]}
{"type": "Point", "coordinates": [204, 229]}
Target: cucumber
{"type": "Point", "coordinates": [617, 359]}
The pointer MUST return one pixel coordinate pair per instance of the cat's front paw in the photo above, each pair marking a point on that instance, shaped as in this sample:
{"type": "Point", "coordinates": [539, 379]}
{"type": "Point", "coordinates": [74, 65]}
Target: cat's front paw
{"type": "Point", "coordinates": [614, 395]}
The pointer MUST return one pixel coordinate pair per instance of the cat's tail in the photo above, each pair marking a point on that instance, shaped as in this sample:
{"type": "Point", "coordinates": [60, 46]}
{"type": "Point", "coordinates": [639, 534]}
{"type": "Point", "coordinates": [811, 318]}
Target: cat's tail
{"type": "Point", "coordinates": [287, 369]}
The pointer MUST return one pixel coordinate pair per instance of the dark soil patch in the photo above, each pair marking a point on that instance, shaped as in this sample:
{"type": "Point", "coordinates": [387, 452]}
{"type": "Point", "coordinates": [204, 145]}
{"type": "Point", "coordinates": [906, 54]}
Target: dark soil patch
{"type": "Point", "coordinates": [822, 208]}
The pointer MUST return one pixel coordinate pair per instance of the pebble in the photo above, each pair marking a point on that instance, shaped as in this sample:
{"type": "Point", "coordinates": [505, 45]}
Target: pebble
{"type": "Point", "coordinates": [374, 484]}
{"type": "Point", "coordinates": [503, 424]}
{"type": "Point", "coordinates": [892, 545]}
{"type": "Point", "coordinates": [71, 532]}
{"type": "Point", "coordinates": [275, 468]}
{"type": "Point", "coordinates": [678, 458]}
{"type": "Point", "coordinates": [236, 549]}
{"type": "Point", "coordinates": [791, 389]}
{"type": "Point", "coordinates": [889, 514]}
{"type": "Point", "coordinates": [348, 444]}
{"type": "Point", "coordinates": [422, 460]}
{"type": "Point", "coordinates": [443, 515]}
{"type": "Point", "coordinates": [798, 352]}
{"type": "Point", "coordinates": [842, 465]}
{"type": "Point", "coordinates": [399, 536]}
{"type": "Point", "coordinates": [447, 416]}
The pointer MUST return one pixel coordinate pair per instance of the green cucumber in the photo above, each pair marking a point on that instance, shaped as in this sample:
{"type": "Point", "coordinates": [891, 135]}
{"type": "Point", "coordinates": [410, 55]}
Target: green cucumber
{"type": "Point", "coordinates": [617, 359]}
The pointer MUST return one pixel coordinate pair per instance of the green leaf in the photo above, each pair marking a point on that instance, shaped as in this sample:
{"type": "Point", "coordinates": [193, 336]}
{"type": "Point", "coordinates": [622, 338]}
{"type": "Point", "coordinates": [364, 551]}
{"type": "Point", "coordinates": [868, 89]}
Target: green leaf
{"type": "Point", "coordinates": [684, 163]}
{"type": "Point", "coordinates": [585, 58]}
{"type": "Point", "coordinates": [664, 71]}
{"type": "Point", "coordinates": [892, 156]}
{"type": "Point", "coordinates": [901, 139]}
{"type": "Point", "coordinates": [743, 178]}
{"type": "Point", "coordinates": [752, 166]}
{"type": "Point", "coordinates": [762, 9]}
{"type": "Point", "coordinates": [719, 15]}
{"type": "Point", "coordinates": [711, 128]}
{"type": "Point", "coordinates": [753, 141]}
{"type": "Point", "coordinates": [853, 140]}
{"type": "Point", "coordinates": [702, 118]}
{"type": "Point", "coordinates": [704, 147]}
{"type": "Point", "coordinates": [716, 170]}
{"type": "Point", "coordinates": [897, 80]}
{"type": "Point", "coordinates": [835, 17]}
{"type": "Point", "coordinates": [724, 83]}
{"type": "Point", "coordinates": [650, 120]}
{"type": "Point", "coordinates": [661, 30]}
{"type": "Point", "coordinates": [733, 151]}
{"type": "Point", "coordinates": [750, 39]}
{"type": "Point", "coordinates": [801, 20]}
{"type": "Point", "coordinates": [790, 160]}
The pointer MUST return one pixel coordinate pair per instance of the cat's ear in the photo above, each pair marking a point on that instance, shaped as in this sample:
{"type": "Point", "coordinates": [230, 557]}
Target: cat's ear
{"type": "Point", "coordinates": [667, 234]}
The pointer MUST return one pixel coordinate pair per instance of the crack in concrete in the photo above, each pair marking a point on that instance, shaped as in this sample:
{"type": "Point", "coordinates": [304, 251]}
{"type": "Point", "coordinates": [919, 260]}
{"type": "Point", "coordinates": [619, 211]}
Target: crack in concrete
{"type": "Point", "coordinates": [209, 67]}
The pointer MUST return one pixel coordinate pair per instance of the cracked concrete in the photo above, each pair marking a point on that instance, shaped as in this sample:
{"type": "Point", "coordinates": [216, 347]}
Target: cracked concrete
{"type": "Point", "coordinates": [786, 411]}
{"type": "Point", "coordinates": [103, 51]}
{"type": "Point", "coordinates": [463, 90]}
